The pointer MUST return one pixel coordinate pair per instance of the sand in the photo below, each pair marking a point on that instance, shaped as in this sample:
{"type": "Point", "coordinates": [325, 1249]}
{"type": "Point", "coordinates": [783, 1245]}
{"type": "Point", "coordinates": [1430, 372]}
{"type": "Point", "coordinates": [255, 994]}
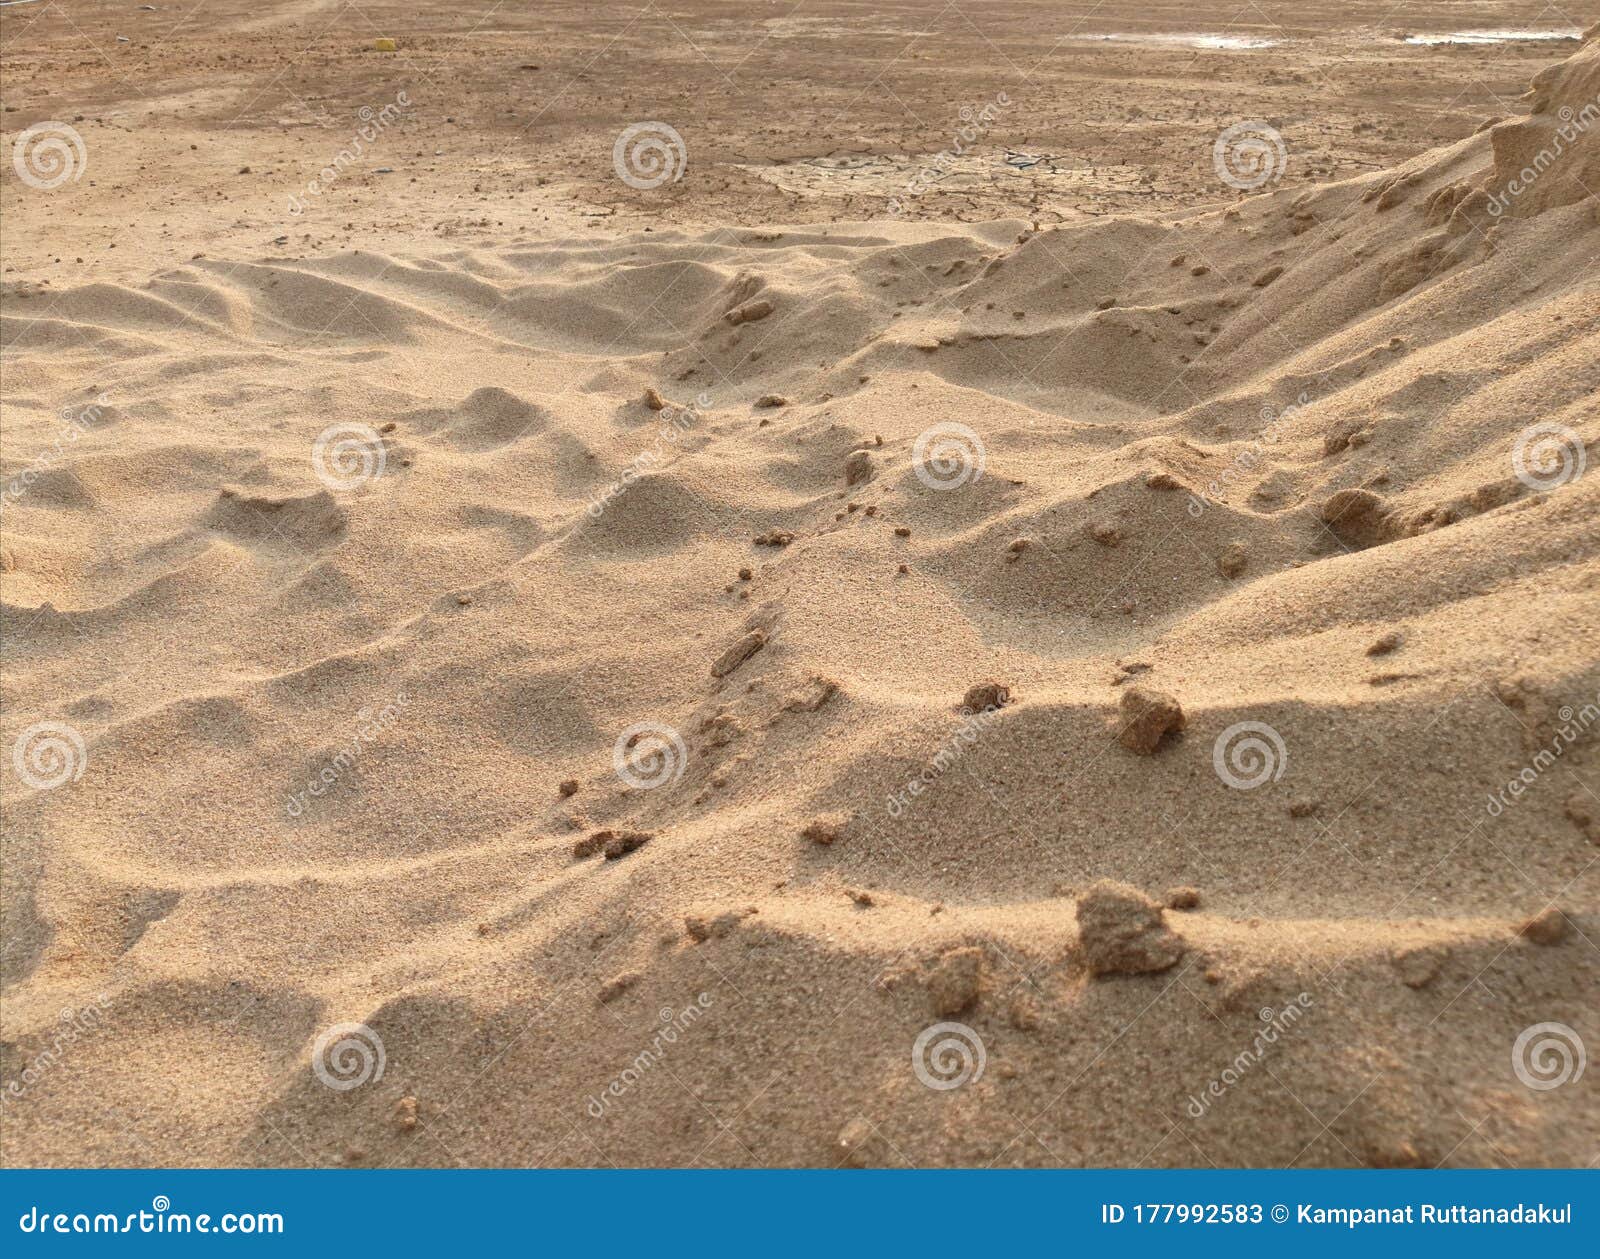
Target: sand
{"type": "Point", "coordinates": [507, 667]}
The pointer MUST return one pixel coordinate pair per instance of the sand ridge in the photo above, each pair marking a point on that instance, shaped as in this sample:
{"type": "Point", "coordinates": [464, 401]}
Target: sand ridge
{"type": "Point", "coordinates": [639, 688]}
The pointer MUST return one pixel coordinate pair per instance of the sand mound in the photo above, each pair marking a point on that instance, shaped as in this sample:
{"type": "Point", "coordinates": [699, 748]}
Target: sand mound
{"type": "Point", "coordinates": [356, 657]}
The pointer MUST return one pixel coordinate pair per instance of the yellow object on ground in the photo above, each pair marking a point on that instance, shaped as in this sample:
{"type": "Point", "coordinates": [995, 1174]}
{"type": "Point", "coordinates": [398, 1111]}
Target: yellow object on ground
{"type": "Point", "coordinates": [384, 45]}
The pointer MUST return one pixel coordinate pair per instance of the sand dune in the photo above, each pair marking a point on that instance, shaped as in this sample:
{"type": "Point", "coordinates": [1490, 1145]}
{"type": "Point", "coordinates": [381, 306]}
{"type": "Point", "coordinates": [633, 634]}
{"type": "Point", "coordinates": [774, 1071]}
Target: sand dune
{"type": "Point", "coordinates": [376, 585]}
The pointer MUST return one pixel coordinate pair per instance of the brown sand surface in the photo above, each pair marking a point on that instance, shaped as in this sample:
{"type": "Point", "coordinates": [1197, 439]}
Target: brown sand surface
{"type": "Point", "coordinates": [1086, 656]}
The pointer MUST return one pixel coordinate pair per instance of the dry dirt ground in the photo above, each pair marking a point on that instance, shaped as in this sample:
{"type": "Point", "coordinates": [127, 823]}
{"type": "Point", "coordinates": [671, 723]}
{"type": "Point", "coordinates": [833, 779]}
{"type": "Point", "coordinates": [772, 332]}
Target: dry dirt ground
{"type": "Point", "coordinates": [951, 621]}
{"type": "Point", "coordinates": [203, 122]}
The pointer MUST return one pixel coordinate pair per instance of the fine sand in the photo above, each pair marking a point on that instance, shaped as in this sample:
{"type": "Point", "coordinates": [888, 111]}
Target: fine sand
{"type": "Point", "coordinates": [1084, 664]}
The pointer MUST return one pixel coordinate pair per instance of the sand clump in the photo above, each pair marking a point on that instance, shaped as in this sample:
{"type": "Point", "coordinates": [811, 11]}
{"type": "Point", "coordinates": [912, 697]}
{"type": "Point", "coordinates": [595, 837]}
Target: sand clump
{"type": "Point", "coordinates": [987, 696]}
{"type": "Point", "coordinates": [1146, 718]}
{"type": "Point", "coordinates": [955, 981]}
{"type": "Point", "coordinates": [1123, 932]}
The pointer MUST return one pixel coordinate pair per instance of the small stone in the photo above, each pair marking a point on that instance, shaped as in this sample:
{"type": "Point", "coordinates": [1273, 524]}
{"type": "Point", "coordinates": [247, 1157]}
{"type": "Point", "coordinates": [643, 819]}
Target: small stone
{"type": "Point", "coordinates": [775, 537]}
{"type": "Point", "coordinates": [405, 1113]}
{"type": "Point", "coordinates": [1358, 518]}
{"type": "Point", "coordinates": [1418, 967]}
{"type": "Point", "coordinates": [1303, 806]}
{"type": "Point", "coordinates": [826, 830]}
{"type": "Point", "coordinates": [1024, 1013]}
{"type": "Point", "coordinates": [1147, 717]}
{"type": "Point", "coordinates": [749, 312]}
{"type": "Point", "coordinates": [1582, 813]}
{"type": "Point", "coordinates": [738, 653]}
{"type": "Point", "coordinates": [615, 987]}
{"type": "Point", "coordinates": [854, 1142]}
{"type": "Point", "coordinates": [628, 841]}
{"type": "Point", "coordinates": [1123, 932]}
{"type": "Point", "coordinates": [983, 696]}
{"type": "Point", "coordinates": [1547, 928]}
{"type": "Point", "coordinates": [703, 927]}
{"type": "Point", "coordinates": [769, 401]}
{"type": "Point", "coordinates": [654, 400]}
{"type": "Point", "coordinates": [1384, 645]}
{"type": "Point", "coordinates": [902, 531]}
{"type": "Point", "coordinates": [569, 787]}
{"type": "Point", "coordinates": [1105, 533]}
{"type": "Point", "coordinates": [857, 467]}
{"type": "Point", "coordinates": [955, 981]}
{"type": "Point", "coordinates": [1233, 559]}
{"type": "Point", "coordinates": [1267, 277]}
{"type": "Point", "coordinates": [1182, 898]}
{"type": "Point", "coordinates": [745, 574]}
